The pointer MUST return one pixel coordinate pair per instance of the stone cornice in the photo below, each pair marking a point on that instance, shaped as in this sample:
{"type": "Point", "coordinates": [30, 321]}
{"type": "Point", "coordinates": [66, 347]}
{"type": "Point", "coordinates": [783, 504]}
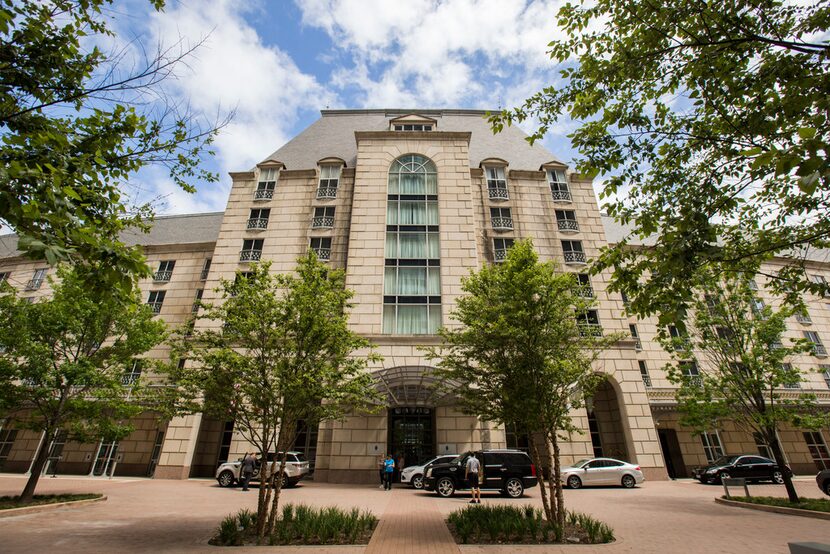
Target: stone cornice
{"type": "Point", "coordinates": [406, 135]}
{"type": "Point", "coordinates": [241, 175]}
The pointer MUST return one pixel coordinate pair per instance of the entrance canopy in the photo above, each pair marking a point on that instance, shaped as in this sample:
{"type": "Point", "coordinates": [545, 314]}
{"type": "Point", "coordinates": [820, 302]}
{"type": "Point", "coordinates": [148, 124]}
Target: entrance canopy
{"type": "Point", "coordinates": [409, 386]}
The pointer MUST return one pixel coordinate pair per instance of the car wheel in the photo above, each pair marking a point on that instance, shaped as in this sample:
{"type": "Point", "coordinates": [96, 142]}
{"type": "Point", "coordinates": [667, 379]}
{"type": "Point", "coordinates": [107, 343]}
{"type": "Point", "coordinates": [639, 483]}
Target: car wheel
{"type": "Point", "coordinates": [778, 477]}
{"type": "Point", "coordinates": [445, 487]}
{"type": "Point", "coordinates": [418, 482]}
{"type": "Point", "coordinates": [574, 482]}
{"type": "Point", "coordinates": [628, 481]}
{"type": "Point", "coordinates": [514, 488]}
{"type": "Point", "coordinates": [724, 475]}
{"type": "Point", "coordinates": [225, 478]}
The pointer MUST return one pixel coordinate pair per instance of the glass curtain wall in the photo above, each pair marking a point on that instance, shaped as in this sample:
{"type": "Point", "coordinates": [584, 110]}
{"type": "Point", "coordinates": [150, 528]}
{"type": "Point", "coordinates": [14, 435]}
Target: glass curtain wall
{"type": "Point", "coordinates": [412, 279]}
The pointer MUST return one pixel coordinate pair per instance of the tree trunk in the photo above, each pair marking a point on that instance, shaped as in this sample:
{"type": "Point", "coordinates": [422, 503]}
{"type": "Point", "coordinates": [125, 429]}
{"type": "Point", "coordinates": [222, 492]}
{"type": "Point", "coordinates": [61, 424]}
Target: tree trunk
{"type": "Point", "coordinates": [263, 497]}
{"type": "Point", "coordinates": [537, 459]}
{"type": "Point", "coordinates": [557, 482]}
{"type": "Point", "coordinates": [37, 468]}
{"type": "Point", "coordinates": [272, 519]}
{"type": "Point", "coordinates": [778, 454]}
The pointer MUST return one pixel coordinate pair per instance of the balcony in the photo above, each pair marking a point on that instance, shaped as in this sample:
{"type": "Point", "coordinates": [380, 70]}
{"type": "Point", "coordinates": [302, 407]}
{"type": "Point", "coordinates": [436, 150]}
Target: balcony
{"type": "Point", "coordinates": [574, 257]}
{"type": "Point", "coordinates": [561, 195]}
{"type": "Point", "coordinates": [500, 255]}
{"type": "Point", "coordinates": [195, 308]}
{"type": "Point", "coordinates": [497, 193]}
{"type": "Point", "coordinates": [250, 255]}
{"type": "Point", "coordinates": [155, 306]}
{"type": "Point", "coordinates": [819, 351]}
{"type": "Point", "coordinates": [263, 194]}
{"type": "Point", "coordinates": [326, 193]}
{"type": "Point", "coordinates": [568, 225]}
{"type": "Point", "coordinates": [647, 381]}
{"type": "Point", "coordinates": [590, 330]}
{"type": "Point", "coordinates": [503, 223]}
{"type": "Point", "coordinates": [638, 345]}
{"type": "Point", "coordinates": [585, 291]}
{"type": "Point", "coordinates": [323, 254]}
{"type": "Point", "coordinates": [204, 274]}
{"type": "Point", "coordinates": [162, 276]}
{"type": "Point", "coordinates": [694, 380]}
{"type": "Point", "coordinates": [129, 379]}
{"type": "Point", "coordinates": [322, 222]}
{"type": "Point", "coordinates": [803, 319]}
{"type": "Point", "coordinates": [34, 284]}
{"type": "Point", "coordinates": [257, 223]}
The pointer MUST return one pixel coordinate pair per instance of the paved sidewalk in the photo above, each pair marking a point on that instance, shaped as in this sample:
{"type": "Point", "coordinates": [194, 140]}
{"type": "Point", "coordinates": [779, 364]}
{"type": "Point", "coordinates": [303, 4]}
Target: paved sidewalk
{"type": "Point", "coordinates": [412, 524]}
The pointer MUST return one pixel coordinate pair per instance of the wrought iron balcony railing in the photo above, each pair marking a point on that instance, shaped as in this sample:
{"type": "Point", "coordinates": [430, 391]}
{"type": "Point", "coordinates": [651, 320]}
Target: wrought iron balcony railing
{"type": "Point", "coordinates": [803, 318]}
{"type": "Point", "coordinates": [327, 192]}
{"type": "Point", "coordinates": [162, 276]}
{"type": "Point", "coordinates": [250, 255]}
{"type": "Point", "coordinates": [574, 257]}
{"type": "Point", "coordinates": [819, 350]}
{"type": "Point", "coordinates": [500, 255]}
{"type": "Point", "coordinates": [34, 284]}
{"type": "Point", "coordinates": [585, 291]}
{"type": "Point", "coordinates": [569, 225]}
{"type": "Point", "coordinates": [497, 193]}
{"type": "Point", "coordinates": [204, 275]}
{"type": "Point", "coordinates": [561, 195]}
{"type": "Point", "coordinates": [263, 194]}
{"type": "Point", "coordinates": [590, 330]}
{"type": "Point", "coordinates": [322, 222]}
{"type": "Point", "coordinates": [647, 381]}
{"type": "Point", "coordinates": [505, 223]}
{"type": "Point", "coordinates": [155, 306]}
{"type": "Point", "coordinates": [129, 379]}
{"type": "Point", "coordinates": [323, 253]}
{"type": "Point", "coordinates": [258, 223]}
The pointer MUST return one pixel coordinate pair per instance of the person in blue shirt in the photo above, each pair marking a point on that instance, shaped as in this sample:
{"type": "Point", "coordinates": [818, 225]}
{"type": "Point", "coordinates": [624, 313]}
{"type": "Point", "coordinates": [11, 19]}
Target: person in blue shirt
{"type": "Point", "coordinates": [388, 470]}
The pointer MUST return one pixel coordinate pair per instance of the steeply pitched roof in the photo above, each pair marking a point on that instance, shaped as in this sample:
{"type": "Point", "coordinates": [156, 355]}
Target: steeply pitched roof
{"type": "Point", "coordinates": [333, 136]}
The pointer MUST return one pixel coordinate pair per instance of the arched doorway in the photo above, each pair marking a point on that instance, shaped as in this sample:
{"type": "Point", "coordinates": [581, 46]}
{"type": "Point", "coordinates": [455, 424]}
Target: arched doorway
{"type": "Point", "coordinates": [605, 423]}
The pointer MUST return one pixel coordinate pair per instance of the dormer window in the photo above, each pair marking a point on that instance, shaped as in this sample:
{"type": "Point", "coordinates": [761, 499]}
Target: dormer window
{"type": "Point", "coordinates": [266, 184]}
{"type": "Point", "coordinates": [412, 127]}
{"type": "Point", "coordinates": [558, 185]}
{"type": "Point", "coordinates": [496, 183]}
{"type": "Point", "coordinates": [329, 179]}
{"type": "Point", "coordinates": [412, 122]}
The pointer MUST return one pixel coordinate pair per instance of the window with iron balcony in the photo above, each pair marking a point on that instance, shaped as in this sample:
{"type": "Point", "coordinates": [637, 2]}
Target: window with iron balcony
{"type": "Point", "coordinates": [323, 218]}
{"type": "Point", "coordinates": [131, 376]}
{"type": "Point", "coordinates": [500, 248]}
{"type": "Point", "coordinates": [206, 269]}
{"type": "Point", "coordinates": [329, 180]}
{"type": "Point", "coordinates": [586, 289]}
{"type": "Point", "coordinates": [795, 381]}
{"type": "Point", "coordinates": [251, 250]}
{"type": "Point", "coordinates": [588, 322]}
{"type": "Point", "coordinates": [636, 336]}
{"type": "Point", "coordinates": [680, 340]}
{"type": "Point", "coordinates": [818, 347]}
{"type": "Point", "coordinates": [566, 221]}
{"type": "Point", "coordinates": [572, 250]}
{"type": "Point", "coordinates": [37, 279]}
{"type": "Point", "coordinates": [496, 183]}
{"type": "Point", "coordinates": [258, 220]}
{"type": "Point", "coordinates": [501, 219]}
{"type": "Point", "coordinates": [321, 247]}
{"type": "Point", "coordinates": [266, 184]}
{"type": "Point", "coordinates": [165, 271]}
{"type": "Point", "coordinates": [197, 301]}
{"type": "Point", "coordinates": [559, 190]}
{"type": "Point", "coordinates": [804, 317]}
{"type": "Point", "coordinates": [691, 373]}
{"type": "Point", "coordinates": [644, 374]}
{"type": "Point", "coordinates": [155, 300]}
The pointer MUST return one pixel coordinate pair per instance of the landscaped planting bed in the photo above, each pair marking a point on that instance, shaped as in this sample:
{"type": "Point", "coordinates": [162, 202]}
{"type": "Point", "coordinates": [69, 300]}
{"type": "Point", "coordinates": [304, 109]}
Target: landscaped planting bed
{"type": "Point", "coordinates": [9, 502]}
{"type": "Point", "coordinates": [300, 524]}
{"type": "Point", "coordinates": [523, 525]}
{"type": "Point", "coordinates": [813, 504]}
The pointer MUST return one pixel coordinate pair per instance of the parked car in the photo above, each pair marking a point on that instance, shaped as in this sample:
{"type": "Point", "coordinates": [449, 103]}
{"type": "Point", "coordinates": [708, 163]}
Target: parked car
{"type": "Point", "coordinates": [601, 471]}
{"type": "Point", "coordinates": [749, 466]}
{"type": "Point", "coordinates": [296, 467]}
{"type": "Point", "coordinates": [823, 481]}
{"type": "Point", "coordinates": [414, 475]}
{"type": "Point", "coordinates": [507, 471]}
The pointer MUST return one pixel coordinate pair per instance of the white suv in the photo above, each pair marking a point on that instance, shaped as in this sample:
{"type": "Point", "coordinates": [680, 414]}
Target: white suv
{"type": "Point", "coordinates": [414, 475]}
{"type": "Point", "coordinates": [296, 467]}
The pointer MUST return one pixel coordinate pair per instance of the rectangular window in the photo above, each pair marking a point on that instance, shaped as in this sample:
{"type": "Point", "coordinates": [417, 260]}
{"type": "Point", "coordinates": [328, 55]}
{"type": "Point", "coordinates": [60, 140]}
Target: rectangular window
{"type": "Point", "coordinates": [818, 346]}
{"type": "Point", "coordinates": [586, 290]}
{"type": "Point", "coordinates": [199, 293]}
{"type": "Point", "coordinates": [132, 374]}
{"type": "Point", "coordinates": [412, 319]}
{"type": "Point", "coordinates": [321, 247]}
{"type": "Point", "coordinates": [259, 219]}
{"type": "Point", "coordinates": [825, 372]}
{"type": "Point", "coordinates": [572, 249]}
{"type": "Point", "coordinates": [501, 218]}
{"type": "Point", "coordinates": [155, 300]}
{"type": "Point", "coordinates": [644, 373]}
{"type": "Point", "coordinates": [636, 336]}
{"type": "Point", "coordinates": [496, 183]}
{"type": "Point", "coordinates": [804, 317]}
{"type": "Point", "coordinates": [691, 372]}
{"type": "Point", "coordinates": [558, 185]}
{"type": "Point", "coordinates": [757, 307]}
{"type": "Point", "coordinates": [588, 322]}
{"type": "Point", "coordinates": [566, 221]}
{"type": "Point", "coordinates": [596, 436]}
{"type": "Point", "coordinates": [412, 281]}
{"type": "Point", "coordinates": [329, 179]}
{"type": "Point", "coordinates": [406, 245]}
{"type": "Point", "coordinates": [821, 281]}
{"type": "Point", "coordinates": [762, 447]}
{"type": "Point", "coordinates": [794, 382]}
{"type": "Point", "coordinates": [266, 184]}
{"type": "Point", "coordinates": [753, 285]}
{"type": "Point", "coordinates": [413, 127]}
{"type": "Point", "coordinates": [624, 298]}
{"type": "Point", "coordinates": [409, 211]}
{"type": "Point", "coordinates": [818, 449]}
{"type": "Point", "coordinates": [712, 446]}
{"type": "Point", "coordinates": [7, 438]}
{"type": "Point", "coordinates": [500, 248]}
{"type": "Point", "coordinates": [251, 250]}
{"type": "Point", "coordinates": [37, 279]}
{"type": "Point", "coordinates": [206, 269]}
{"type": "Point", "coordinates": [323, 218]}
{"type": "Point", "coordinates": [4, 276]}
{"type": "Point", "coordinates": [165, 271]}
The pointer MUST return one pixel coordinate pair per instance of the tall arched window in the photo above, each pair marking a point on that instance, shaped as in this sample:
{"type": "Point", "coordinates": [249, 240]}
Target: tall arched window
{"type": "Point", "coordinates": [412, 279]}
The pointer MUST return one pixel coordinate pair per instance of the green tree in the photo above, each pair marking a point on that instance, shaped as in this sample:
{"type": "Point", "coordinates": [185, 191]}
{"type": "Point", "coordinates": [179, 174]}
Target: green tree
{"type": "Point", "coordinates": [705, 121]}
{"type": "Point", "coordinates": [742, 365]}
{"type": "Point", "coordinates": [76, 125]}
{"type": "Point", "coordinates": [522, 358]}
{"type": "Point", "coordinates": [67, 361]}
{"type": "Point", "coordinates": [282, 352]}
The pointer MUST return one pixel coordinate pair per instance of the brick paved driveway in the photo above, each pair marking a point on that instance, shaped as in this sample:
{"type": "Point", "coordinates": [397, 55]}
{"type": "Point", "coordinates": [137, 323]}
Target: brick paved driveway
{"type": "Point", "coordinates": [179, 516]}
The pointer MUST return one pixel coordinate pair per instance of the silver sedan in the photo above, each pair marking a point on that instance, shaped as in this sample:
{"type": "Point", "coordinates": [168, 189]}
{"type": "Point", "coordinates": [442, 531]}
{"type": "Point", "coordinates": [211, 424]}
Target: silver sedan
{"type": "Point", "coordinates": [602, 471]}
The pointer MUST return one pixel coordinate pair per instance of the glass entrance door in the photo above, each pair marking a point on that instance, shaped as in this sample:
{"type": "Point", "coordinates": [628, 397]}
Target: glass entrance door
{"type": "Point", "coordinates": [411, 439]}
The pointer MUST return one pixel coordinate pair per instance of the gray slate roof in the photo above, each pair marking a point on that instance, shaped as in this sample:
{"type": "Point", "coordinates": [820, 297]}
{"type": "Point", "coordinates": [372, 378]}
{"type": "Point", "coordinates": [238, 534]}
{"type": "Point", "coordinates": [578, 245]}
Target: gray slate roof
{"type": "Point", "coordinates": [333, 136]}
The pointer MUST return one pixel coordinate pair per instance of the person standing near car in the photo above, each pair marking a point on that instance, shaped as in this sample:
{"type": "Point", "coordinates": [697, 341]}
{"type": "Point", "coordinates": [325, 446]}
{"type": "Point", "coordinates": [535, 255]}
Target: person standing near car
{"type": "Point", "coordinates": [248, 463]}
{"type": "Point", "coordinates": [388, 470]}
{"type": "Point", "coordinates": [471, 471]}
{"type": "Point", "coordinates": [382, 469]}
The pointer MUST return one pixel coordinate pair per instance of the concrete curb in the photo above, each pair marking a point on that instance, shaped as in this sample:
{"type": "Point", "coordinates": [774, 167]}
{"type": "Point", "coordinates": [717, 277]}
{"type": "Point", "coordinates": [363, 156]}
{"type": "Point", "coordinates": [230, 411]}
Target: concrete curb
{"type": "Point", "coordinates": [11, 512]}
{"type": "Point", "coordinates": [775, 509]}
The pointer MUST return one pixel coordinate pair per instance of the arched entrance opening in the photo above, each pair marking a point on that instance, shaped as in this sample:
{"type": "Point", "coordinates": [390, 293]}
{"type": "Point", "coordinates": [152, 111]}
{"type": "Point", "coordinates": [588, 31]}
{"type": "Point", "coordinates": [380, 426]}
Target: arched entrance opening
{"type": "Point", "coordinates": [605, 423]}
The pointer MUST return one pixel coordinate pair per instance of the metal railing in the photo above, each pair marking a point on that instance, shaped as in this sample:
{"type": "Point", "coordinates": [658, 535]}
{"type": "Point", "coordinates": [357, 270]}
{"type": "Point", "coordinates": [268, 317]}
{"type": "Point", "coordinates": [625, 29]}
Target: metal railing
{"type": "Point", "coordinates": [204, 275]}
{"type": "Point", "coordinates": [258, 223]}
{"type": "Point", "coordinates": [567, 225]}
{"type": "Point", "coordinates": [561, 195]}
{"type": "Point", "coordinates": [585, 291]}
{"type": "Point", "coordinates": [500, 255]}
{"type": "Point", "coordinates": [34, 284]}
{"type": "Point", "coordinates": [803, 318]}
{"type": "Point", "coordinates": [502, 223]}
{"type": "Point", "coordinates": [162, 276]}
{"type": "Point", "coordinates": [819, 350]}
{"type": "Point", "coordinates": [323, 253]}
{"type": "Point", "coordinates": [322, 221]}
{"type": "Point", "coordinates": [574, 257]}
{"type": "Point", "coordinates": [497, 193]}
{"type": "Point", "coordinates": [155, 306]}
{"type": "Point", "coordinates": [638, 345]}
{"type": "Point", "coordinates": [129, 379]}
{"type": "Point", "coordinates": [250, 255]}
{"type": "Point", "coordinates": [263, 194]}
{"type": "Point", "coordinates": [590, 330]}
{"type": "Point", "coordinates": [647, 381]}
{"type": "Point", "coordinates": [327, 192]}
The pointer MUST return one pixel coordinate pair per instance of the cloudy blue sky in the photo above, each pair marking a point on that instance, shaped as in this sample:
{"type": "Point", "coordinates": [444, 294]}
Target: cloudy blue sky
{"type": "Point", "coordinates": [278, 63]}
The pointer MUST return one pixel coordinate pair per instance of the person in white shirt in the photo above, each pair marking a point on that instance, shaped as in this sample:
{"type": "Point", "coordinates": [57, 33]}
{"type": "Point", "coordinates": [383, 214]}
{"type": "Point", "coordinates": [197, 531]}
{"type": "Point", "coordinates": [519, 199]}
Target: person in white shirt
{"type": "Point", "coordinates": [471, 471]}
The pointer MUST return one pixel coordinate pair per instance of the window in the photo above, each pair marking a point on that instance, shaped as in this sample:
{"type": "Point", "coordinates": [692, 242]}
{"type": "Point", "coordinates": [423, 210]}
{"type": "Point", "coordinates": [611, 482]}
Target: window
{"type": "Point", "coordinates": [818, 346]}
{"type": "Point", "coordinates": [515, 439]}
{"type": "Point", "coordinates": [636, 336]}
{"type": "Point", "coordinates": [206, 269]}
{"type": "Point", "coordinates": [500, 248]}
{"type": "Point", "coordinates": [321, 247]}
{"type": "Point", "coordinates": [821, 281]}
{"type": "Point", "coordinates": [791, 378]}
{"type": "Point", "coordinates": [259, 219]}
{"type": "Point", "coordinates": [825, 372]}
{"type": "Point", "coordinates": [329, 179]}
{"type": "Point", "coordinates": [573, 252]}
{"type": "Point", "coordinates": [586, 290]}
{"type": "Point", "coordinates": [155, 300]}
{"type": "Point", "coordinates": [4, 276]}
{"type": "Point", "coordinates": [165, 271]}
{"type": "Point", "coordinates": [625, 300]}
{"type": "Point", "coordinates": [711, 302]}
{"type": "Point", "coordinates": [7, 438]}
{"type": "Point", "coordinates": [679, 339]}
{"type": "Point", "coordinates": [757, 307]}
{"type": "Point", "coordinates": [131, 376]}
{"type": "Point", "coordinates": [691, 373]}
{"type": "Point", "coordinates": [752, 284]}
{"type": "Point", "coordinates": [712, 446]}
{"type": "Point", "coordinates": [267, 183]}
{"type": "Point", "coordinates": [818, 449]}
{"type": "Point", "coordinates": [501, 218]}
{"type": "Point", "coordinates": [412, 272]}
{"type": "Point", "coordinates": [199, 293]}
{"type": "Point", "coordinates": [496, 183]}
{"type": "Point", "coordinates": [566, 221]}
{"type": "Point", "coordinates": [596, 437]}
{"type": "Point", "coordinates": [251, 250]}
{"type": "Point", "coordinates": [762, 446]}
{"type": "Point", "coordinates": [37, 279]}
{"type": "Point", "coordinates": [558, 185]}
{"type": "Point", "coordinates": [413, 127]}
{"type": "Point", "coordinates": [803, 317]}
{"type": "Point", "coordinates": [588, 322]}
{"type": "Point", "coordinates": [644, 373]}
{"type": "Point", "coordinates": [239, 278]}
{"type": "Point", "coordinates": [323, 218]}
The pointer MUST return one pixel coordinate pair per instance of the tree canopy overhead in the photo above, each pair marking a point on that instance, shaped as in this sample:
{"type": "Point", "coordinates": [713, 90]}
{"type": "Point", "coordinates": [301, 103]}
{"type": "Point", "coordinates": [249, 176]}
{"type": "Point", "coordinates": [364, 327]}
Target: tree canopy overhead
{"type": "Point", "coordinates": [708, 124]}
{"type": "Point", "coordinates": [76, 124]}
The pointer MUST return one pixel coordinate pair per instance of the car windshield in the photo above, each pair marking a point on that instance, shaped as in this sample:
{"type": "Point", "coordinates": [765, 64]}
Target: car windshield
{"type": "Point", "coordinates": [723, 460]}
{"type": "Point", "coordinates": [300, 457]}
{"type": "Point", "coordinates": [581, 463]}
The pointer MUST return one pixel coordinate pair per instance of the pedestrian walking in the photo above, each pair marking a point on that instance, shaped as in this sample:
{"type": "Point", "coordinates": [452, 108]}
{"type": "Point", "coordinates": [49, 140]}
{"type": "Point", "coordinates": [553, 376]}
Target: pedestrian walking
{"type": "Point", "coordinates": [381, 469]}
{"type": "Point", "coordinates": [388, 470]}
{"type": "Point", "coordinates": [471, 471]}
{"type": "Point", "coordinates": [248, 463]}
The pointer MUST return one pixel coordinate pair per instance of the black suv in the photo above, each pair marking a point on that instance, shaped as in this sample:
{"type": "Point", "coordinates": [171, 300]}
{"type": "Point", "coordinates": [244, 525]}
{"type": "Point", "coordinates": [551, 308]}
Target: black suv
{"type": "Point", "coordinates": [748, 466]}
{"type": "Point", "coordinates": [507, 471]}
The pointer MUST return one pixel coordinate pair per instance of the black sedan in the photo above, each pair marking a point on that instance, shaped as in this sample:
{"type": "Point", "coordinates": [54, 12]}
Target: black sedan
{"type": "Point", "coordinates": [747, 466]}
{"type": "Point", "coordinates": [823, 481]}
